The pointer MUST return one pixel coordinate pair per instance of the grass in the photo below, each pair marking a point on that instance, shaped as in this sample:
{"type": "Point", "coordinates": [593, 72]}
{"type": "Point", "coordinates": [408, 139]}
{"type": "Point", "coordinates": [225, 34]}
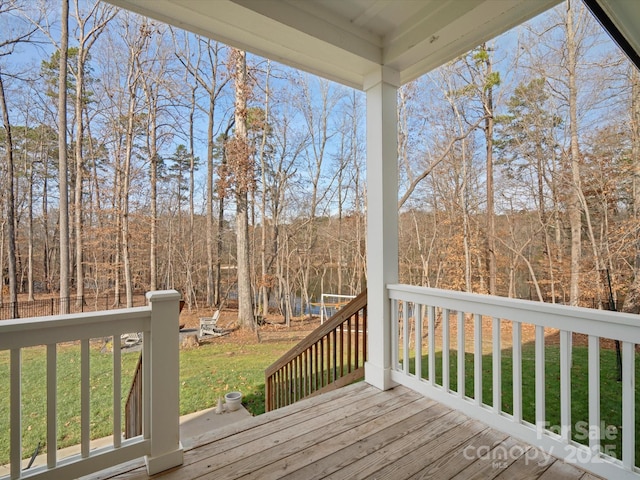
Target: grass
{"type": "Point", "coordinates": [206, 373]}
{"type": "Point", "coordinates": [34, 408]}
{"type": "Point", "coordinates": [610, 390]}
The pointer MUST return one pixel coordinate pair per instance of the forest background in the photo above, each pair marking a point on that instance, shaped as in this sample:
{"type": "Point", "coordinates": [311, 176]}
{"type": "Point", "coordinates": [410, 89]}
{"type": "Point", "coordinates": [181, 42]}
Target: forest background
{"type": "Point", "coordinates": [519, 165]}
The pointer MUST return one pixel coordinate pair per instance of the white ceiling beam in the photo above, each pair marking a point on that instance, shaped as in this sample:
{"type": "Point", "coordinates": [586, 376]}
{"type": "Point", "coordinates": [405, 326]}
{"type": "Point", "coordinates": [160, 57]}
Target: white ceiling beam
{"type": "Point", "coordinates": [413, 56]}
{"type": "Point", "coordinates": [371, 12]}
{"type": "Point", "coordinates": [621, 19]}
{"type": "Point", "coordinates": [236, 25]}
{"type": "Point", "coordinates": [327, 28]}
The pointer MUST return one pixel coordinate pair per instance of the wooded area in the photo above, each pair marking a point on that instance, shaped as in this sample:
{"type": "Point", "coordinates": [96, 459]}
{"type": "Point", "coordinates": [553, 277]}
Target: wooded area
{"type": "Point", "coordinates": [187, 164]}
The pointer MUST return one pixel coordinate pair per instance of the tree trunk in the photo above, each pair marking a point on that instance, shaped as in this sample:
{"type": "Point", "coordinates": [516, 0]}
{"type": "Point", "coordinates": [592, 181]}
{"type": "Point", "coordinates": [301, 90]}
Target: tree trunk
{"type": "Point", "coordinates": [9, 202]}
{"type": "Point", "coordinates": [46, 257]}
{"type": "Point", "coordinates": [264, 289]}
{"type": "Point", "coordinates": [245, 303]}
{"type": "Point", "coordinates": [217, 297]}
{"type": "Point", "coordinates": [30, 234]}
{"type": "Point", "coordinates": [153, 178]}
{"type": "Point", "coordinates": [212, 293]}
{"type": "Point", "coordinates": [241, 163]}
{"type": "Point", "coordinates": [62, 160]}
{"type": "Point", "coordinates": [79, 175]}
{"type": "Point", "coordinates": [117, 207]}
{"type": "Point", "coordinates": [488, 132]}
{"type": "Point", "coordinates": [190, 287]}
{"type": "Point", "coordinates": [152, 147]}
{"type": "Point", "coordinates": [575, 212]}
{"type": "Point", "coordinates": [132, 86]}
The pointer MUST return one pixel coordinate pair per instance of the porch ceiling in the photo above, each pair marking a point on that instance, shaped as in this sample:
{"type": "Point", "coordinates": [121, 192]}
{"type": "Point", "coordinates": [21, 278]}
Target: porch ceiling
{"type": "Point", "coordinates": [620, 19]}
{"type": "Point", "coordinates": [346, 40]}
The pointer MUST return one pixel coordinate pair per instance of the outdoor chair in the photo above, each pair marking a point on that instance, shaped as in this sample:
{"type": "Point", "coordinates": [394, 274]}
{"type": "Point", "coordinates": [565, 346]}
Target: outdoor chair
{"type": "Point", "coordinates": [131, 339]}
{"type": "Point", "coordinates": [208, 326]}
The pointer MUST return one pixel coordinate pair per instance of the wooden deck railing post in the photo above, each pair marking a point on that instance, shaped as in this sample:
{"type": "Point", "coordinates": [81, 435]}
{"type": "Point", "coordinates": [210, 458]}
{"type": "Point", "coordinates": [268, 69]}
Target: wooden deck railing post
{"type": "Point", "coordinates": [163, 369]}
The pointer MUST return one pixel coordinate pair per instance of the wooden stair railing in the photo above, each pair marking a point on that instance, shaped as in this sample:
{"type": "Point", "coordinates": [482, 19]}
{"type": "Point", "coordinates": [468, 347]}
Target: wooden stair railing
{"type": "Point", "coordinates": [133, 407]}
{"type": "Point", "coordinates": [330, 357]}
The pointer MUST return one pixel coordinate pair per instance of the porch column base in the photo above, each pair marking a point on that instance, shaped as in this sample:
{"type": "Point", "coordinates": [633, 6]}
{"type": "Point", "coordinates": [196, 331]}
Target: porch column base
{"type": "Point", "coordinates": [378, 377]}
{"type": "Point", "coordinates": [165, 461]}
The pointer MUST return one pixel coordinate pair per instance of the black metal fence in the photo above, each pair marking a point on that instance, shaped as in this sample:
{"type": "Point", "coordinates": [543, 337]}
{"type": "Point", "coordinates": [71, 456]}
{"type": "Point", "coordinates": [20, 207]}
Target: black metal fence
{"type": "Point", "coordinates": [56, 306]}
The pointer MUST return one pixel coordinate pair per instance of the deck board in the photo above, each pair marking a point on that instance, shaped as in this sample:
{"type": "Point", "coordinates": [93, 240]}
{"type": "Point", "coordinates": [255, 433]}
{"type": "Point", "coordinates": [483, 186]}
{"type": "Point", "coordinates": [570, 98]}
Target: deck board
{"type": "Point", "coordinates": [366, 446]}
{"type": "Point", "coordinates": [359, 432]}
{"type": "Point", "coordinates": [449, 459]}
{"type": "Point", "coordinates": [562, 471]}
{"type": "Point", "coordinates": [323, 458]}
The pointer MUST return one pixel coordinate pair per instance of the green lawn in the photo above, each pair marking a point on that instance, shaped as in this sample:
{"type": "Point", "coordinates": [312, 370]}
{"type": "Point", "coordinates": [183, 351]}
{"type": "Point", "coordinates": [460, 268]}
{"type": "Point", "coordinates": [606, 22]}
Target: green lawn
{"type": "Point", "coordinates": [610, 389]}
{"type": "Point", "coordinates": [210, 371]}
{"type": "Point", "coordinates": [206, 373]}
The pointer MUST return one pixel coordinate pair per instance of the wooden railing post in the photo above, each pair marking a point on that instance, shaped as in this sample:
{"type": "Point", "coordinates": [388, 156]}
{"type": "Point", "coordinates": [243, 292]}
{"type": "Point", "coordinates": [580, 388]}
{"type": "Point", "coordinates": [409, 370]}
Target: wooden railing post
{"type": "Point", "coordinates": [163, 370]}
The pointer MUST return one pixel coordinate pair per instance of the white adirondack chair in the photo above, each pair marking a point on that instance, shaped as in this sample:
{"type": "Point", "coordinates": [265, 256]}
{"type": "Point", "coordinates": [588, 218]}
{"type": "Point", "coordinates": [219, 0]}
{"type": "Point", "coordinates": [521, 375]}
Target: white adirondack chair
{"type": "Point", "coordinates": [208, 326]}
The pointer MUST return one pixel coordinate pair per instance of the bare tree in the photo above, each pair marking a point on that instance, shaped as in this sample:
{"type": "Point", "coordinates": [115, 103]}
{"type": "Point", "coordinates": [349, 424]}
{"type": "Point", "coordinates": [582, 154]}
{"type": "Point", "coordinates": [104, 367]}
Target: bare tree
{"type": "Point", "coordinates": [635, 154]}
{"type": "Point", "coordinates": [575, 211]}
{"type": "Point", "coordinates": [99, 14]}
{"type": "Point", "coordinates": [527, 134]}
{"type": "Point", "coordinates": [264, 283]}
{"type": "Point", "coordinates": [62, 160]}
{"type": "Point", "coordinates": [8, 45]}
{"type": "Point", "coordinates": [288, 145]}
{"type": "Point", "coordinates": [240, 166]}
{"type": "Point", "coordinates": [358, 259]}
{"type": "Point", "coordinates": [137, 38]}
{"type": "Point", "coordinates": [317, 117]}
{"type": "Point", "coordinates": [9, 196]}
{"type": "Point", "coordinates": [632, 302]}
{"type": "Point", "coordinates": [154, 74]}
{"type": "Point", "coordinates": [489, 82]}
{"type": "Point", "coordinates": [206, 71]}
{"type": "Point", "coordinates": [150, 88]}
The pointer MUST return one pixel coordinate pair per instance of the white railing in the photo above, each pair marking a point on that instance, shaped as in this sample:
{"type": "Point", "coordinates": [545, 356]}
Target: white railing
{"type": "Point", "coordinates": [159, 443]}
{"type": "Point", "coordinates": [520, 333]}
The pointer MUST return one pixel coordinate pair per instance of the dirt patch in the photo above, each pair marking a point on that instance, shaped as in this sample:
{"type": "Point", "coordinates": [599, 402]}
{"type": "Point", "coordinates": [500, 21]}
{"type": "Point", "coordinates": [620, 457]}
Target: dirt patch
{"type": "Point", "coordinates": [275, 328]}
{"type": "Point", "coordinates": [552, 336]}
{"type": "Point", "coordinates": [578, 339]}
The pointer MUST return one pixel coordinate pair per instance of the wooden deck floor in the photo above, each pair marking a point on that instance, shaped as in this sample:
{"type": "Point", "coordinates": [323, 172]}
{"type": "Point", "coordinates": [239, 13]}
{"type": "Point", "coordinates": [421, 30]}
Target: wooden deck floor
{"type": "Point", "coordinates": [360, 432]}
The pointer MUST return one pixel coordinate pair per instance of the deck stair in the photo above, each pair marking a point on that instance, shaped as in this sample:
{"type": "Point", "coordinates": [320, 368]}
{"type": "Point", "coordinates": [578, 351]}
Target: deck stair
{"type": "Point", "coordinates": [330, 357]}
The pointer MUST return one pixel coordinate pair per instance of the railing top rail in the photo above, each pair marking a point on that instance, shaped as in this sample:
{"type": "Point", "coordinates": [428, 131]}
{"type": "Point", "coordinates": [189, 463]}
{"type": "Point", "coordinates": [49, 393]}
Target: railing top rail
{"type": "Point", "coordinates": [54, 321]}
{"type": "Point", "coordinates": [61, 328]}
{"type": "Point", "coordinates": [328, 326]}
{"type": "Point", "coordinates": [603, 323]}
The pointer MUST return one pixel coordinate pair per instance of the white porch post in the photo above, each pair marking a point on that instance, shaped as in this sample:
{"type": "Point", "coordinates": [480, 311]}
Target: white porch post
{"type": "Point", "coordinates": [164, 368]}
{"type": "Point", "coordinates": [382, 219]}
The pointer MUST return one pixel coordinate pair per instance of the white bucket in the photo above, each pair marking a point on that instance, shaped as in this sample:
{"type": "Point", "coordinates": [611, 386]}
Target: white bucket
{"type": "Point", "coordinates": [232, 401]}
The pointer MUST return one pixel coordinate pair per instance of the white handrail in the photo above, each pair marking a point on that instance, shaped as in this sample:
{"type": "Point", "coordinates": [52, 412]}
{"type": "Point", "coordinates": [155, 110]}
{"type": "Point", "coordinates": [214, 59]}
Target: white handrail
{"type": "Point", "coordinates": [411, 306]}
{"type": "Point", "coordinates": [161, 444]}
